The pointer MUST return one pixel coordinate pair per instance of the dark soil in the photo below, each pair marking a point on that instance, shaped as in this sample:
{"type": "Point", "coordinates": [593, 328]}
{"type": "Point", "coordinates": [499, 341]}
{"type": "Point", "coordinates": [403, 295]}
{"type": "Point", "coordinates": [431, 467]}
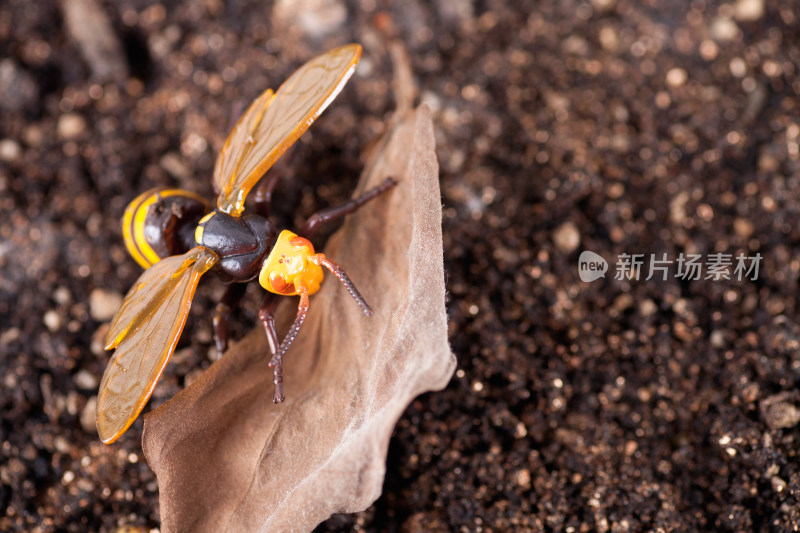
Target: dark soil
{"type": "Point", "coordinates": [607, 125]}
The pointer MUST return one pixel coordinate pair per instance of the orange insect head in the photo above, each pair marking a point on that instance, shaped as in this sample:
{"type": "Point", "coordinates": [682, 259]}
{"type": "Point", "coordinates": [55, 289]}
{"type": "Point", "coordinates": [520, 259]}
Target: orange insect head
{"type": "Point", "coordinates": [292, 263]}
{"type": "Point", "coordinates": [292, 268]}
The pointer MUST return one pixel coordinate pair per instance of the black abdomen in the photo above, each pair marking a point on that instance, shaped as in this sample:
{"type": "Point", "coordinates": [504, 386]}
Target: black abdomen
{"type": "Point", "coordinates": [160, 223]}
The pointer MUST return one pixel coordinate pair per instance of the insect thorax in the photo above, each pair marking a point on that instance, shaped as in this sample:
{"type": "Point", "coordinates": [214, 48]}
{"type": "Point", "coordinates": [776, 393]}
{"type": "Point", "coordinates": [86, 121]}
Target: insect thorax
{"type": "Point", "coordinates": [242, 243]}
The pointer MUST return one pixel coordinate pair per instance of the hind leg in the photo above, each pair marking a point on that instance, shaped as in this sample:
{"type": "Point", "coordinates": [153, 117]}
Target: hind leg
{"type": "Point", "coordinates": [267, 317]}
{"type": "Point", "coordinates": [266, 186]}
{"type": "Point", "coordinates": [222, 315]}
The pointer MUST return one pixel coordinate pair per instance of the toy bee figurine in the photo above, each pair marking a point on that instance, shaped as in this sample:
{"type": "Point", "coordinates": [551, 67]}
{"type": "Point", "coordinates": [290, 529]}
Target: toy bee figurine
{"type": "Point", "coordinates": [177, 237]}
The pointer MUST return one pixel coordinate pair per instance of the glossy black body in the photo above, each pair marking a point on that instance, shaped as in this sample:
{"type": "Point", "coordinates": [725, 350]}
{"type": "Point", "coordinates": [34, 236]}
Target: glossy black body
{"type": "Point", "coordinates": [170, 222]}
{"type": "Point", "coordinates": [242, 243]}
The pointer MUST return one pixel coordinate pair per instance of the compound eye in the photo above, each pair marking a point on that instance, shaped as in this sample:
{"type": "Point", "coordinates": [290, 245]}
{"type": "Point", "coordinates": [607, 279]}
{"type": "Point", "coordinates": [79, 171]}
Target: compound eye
{"type": "Point", "coordinates": [279, 285]}
{"type": "Point", "coordinates": [301, 244]}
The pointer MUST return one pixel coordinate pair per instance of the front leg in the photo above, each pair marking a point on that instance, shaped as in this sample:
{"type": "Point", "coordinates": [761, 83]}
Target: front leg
{"type": "Point", "coordinates": [332, 213]}
{"type": "Point", "coordinates": [267, 316]}
{"type": "Point", "coordinates": [222, 315]}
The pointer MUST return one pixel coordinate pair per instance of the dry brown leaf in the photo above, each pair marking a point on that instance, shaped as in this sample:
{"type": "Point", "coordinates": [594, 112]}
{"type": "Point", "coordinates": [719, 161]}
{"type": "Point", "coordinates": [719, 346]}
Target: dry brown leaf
{"type": "Point", "coordinates": [228, 459]}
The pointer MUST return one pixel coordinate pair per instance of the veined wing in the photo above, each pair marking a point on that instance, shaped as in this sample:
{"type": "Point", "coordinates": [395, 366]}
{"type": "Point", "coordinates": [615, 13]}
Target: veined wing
{"type": "Point", "coordinates": [145, 332]}
{"type": "Point", "coordinates": [275, 121]}
{"type": "Point", "coordinates": [240, 141]}
{"type": "Point", "coordinates": [152, 287]}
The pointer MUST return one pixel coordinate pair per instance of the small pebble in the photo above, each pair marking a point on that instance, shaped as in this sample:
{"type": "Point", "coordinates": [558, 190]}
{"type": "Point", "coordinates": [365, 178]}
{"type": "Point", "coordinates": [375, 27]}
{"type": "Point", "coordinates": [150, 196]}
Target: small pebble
{"type": "Point", "coordinates": [181, 356]}
{"type": "Point", "coordinates": [630, 447]}
{"type": "Point", "coordinates": [10, 150]}
{"type": "Point", "coordinates": [316, 18]}
{"type": "Point", "coordinates": [62, 295]}
{"type": "Point", "coordinates": [708, 49]}
{"type": "Point", "coordinates": [524, 478]}
{"type": "Point", "coordinates": [32, 135]}
{"type": "Point", "coordinates": [779, 411]}
{"type": "Point", "coordinates": [648, 307]}
{"type": "Point", "coordinates": [175, 165]}
{"type": "Point", "coordinates": [676, 77]}
{"type": "Point", "coordinates": [743, 227]}
{"type": "Point", "coordinates": [738, 67]}
{"type": "Point", "coordinates": [604, 5]}
{"type": "Point", "coordinates": [62, 444]}
{"type": "Point", "coordinates": [89, 26]}
{"type": "Point", "coordinates": [566, 237]}
{"type": "Point", "coordinates": [98, 342]}
{"type": "Point", "coordinates": [677, 207]}
{"type": "Point", "coordinates": [575, 45]}
{"type": "Point", "coordinates": [192, 376]}
{"type": "Point", "coordinates": [622, 302]}
{"type": "Point", "coordinates": [609, 39]}
{"type": "Point", "coordinates": [9, 335]}
{"type": "Point", "coordinates": [724, 29]}
{"type": "Point", "coordinates": [131, 529]}
{"type": "Point", "coordinates": [748, 10]}
{"type": "Point", "coordinates": [717, 339]}
{"type": "Point", "coordinates": [778, 484]}
{"type": "Point", "coordinates": [72, 402]}
{"type": "Point", "coordinates": [85, 380]}
{"type": "Point", "coordinates": [52, 320]}
{"type": "Point", "coordinates": [89, 416]}
{"type": "Point", "coordinates": [70, 125]}
{"type": "Point", "coordinates": [103, 305]}
{"type": "Point", "coordinates": [750, 392]}
{"type": "Point", "coordinates": [18, 87]}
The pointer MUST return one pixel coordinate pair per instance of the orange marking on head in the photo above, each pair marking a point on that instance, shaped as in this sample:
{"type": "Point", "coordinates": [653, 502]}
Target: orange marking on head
{"type": "Point", "coordinates": [299, 242]}
{"type": "Point", "coordinates": [279, 284]}
{"type": "Point", "coordinates": [291, 262]}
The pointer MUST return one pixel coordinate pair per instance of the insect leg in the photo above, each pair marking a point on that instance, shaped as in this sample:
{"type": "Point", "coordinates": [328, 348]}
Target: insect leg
{"type": "Point", "coordinates": [268, 183]}
{"type": "Point", "coordinates": [264, 192]}
{"type": "Point", "coordinates": [231, 298]}
{"type": "Point", "coordinates": [332, 213]}
{"type": "Point", "coordinates": [267, 317]}
{"type": "Point", "coordinates": [277, 360]}
{"type": "Point", "coordinates": [337, 271]}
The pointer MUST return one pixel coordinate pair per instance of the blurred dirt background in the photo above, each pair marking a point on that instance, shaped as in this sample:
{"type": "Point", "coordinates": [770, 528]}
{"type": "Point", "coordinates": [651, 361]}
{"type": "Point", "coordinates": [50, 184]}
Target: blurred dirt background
{"type": "Point", "coordinates": [606, 125]}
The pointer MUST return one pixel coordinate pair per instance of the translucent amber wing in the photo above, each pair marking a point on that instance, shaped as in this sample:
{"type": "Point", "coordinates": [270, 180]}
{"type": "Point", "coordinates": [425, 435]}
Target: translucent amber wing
{"type": "Point", "coordinates": [152, 317]}
{"type": "Point", "coordinates": [149, 290]}
{"type": "Point", "coordinates": [240, 141]}
{"type": "Point", "coordinates": [274, 122]}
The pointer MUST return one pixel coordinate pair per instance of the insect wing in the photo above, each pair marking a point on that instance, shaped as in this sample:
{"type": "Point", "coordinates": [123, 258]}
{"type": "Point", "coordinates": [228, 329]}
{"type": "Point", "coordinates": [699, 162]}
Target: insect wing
{"type": "Point", "coordinates": [274, 122]}
{"type": "Point", "coordinates": [149, 323]}
{"type": "Point", "coordinates": [149, 291]}
{"type": "Point", "coordinates": [240, 140]}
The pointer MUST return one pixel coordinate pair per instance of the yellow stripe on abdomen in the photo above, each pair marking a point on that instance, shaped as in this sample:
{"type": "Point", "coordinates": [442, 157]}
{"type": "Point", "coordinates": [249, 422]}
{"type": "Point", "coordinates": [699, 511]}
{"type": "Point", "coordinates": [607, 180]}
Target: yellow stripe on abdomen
{"type": "Point", "coordinates": [133, 228]}
{"type": "Point", "coordinates": [135, 218]}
